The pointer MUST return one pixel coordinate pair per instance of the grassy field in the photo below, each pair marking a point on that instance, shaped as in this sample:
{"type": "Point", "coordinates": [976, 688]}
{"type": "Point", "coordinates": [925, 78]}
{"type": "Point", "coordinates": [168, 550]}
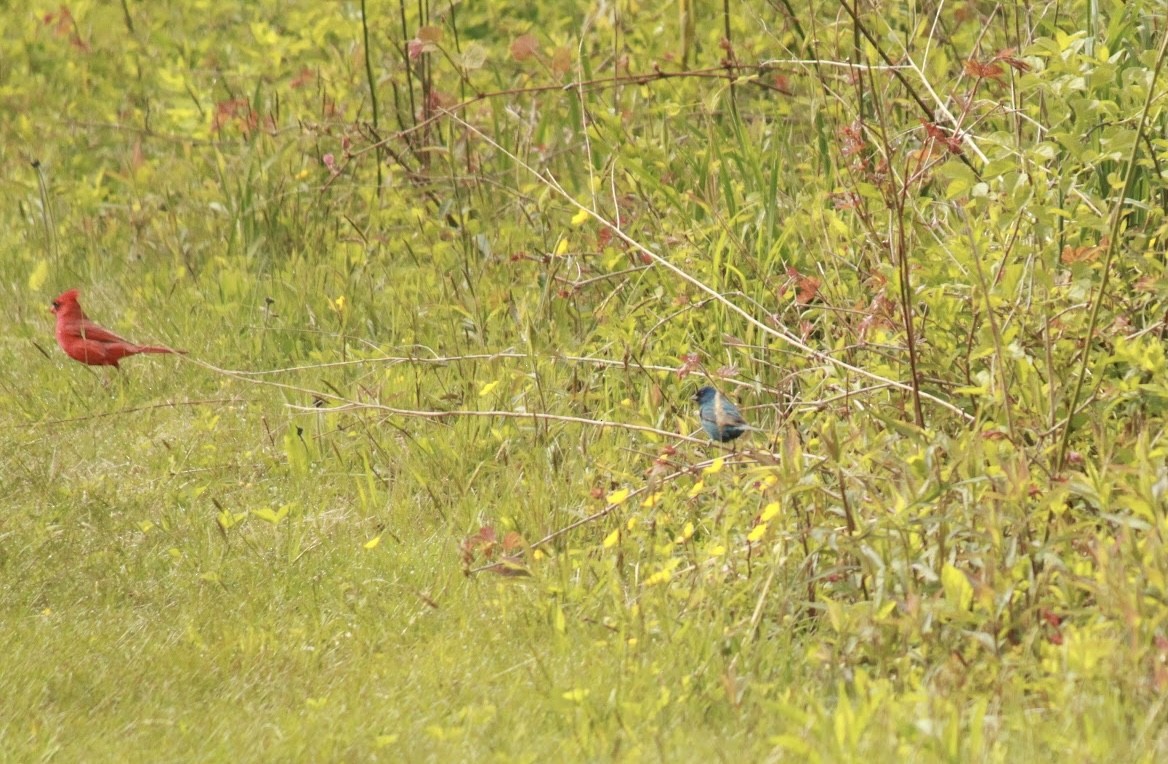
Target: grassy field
{"type": "Point", "coordinates": [428, 484]}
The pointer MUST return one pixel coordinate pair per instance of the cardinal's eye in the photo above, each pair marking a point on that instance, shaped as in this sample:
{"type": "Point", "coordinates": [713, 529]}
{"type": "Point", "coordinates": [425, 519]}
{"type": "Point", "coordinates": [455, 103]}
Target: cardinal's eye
{"type": "Point", "coordinates": [56, 304]}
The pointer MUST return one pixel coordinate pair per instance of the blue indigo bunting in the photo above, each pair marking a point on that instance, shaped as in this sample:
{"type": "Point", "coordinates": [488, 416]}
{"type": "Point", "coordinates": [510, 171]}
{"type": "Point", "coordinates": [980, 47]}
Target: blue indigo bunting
{"type": "Point", "coordinates": [721, 419]}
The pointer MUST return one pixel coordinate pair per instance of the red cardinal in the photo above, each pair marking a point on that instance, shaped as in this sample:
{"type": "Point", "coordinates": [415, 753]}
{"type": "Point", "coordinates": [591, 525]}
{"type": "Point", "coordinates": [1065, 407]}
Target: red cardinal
{"type": "Point", "coordinates": [82, 340]}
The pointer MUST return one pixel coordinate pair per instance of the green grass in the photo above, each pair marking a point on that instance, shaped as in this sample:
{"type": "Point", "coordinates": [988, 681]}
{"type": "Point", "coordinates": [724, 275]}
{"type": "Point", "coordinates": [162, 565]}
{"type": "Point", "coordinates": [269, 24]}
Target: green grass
{"type": "Point", "coordinates": [422, 490]}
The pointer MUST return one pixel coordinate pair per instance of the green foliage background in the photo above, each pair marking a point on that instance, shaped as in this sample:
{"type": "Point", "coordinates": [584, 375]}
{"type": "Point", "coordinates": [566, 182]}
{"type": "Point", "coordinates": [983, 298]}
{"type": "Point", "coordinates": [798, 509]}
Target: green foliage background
{"type": "Point", "coordinates": [448, 275]}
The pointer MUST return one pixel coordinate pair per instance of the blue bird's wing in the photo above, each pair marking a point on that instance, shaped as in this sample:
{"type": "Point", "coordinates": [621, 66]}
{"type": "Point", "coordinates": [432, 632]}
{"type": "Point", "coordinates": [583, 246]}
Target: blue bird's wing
{"type": "Point", "coordinates": [726, 414]}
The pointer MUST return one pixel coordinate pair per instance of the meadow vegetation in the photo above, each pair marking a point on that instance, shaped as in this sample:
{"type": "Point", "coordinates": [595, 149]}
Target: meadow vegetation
{"type": "Point", "coordinates": [429, 484]}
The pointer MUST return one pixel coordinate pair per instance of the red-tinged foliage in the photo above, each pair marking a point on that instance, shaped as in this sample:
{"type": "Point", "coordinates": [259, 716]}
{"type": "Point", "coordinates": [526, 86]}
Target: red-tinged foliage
{"type": "Point", "coordinates": [1084, 254]}
{"type": "Point", "coordinates": [561, 61]}
{"type": "Point", "coordinates": [880, 313]}
{"type": "Point", "coordinates": [524, 47]}
{"type": "Point", "coordinates": [303, 78]}
{"type": "Point", "coordinates": [806, 287]}
{"type": "Point", "coordinates": [235, 110]}
{"type": "Point", "coordinates": [1007, 56]}
{"type": "Point", "coordinates": [1146, 283]}
{"type": "Point", "coordinates": [64, 25]}
{"type": "Point", "coordinates": [852, 141]}
{"type": "Point", "coordinates": [658, 469]}
{"type": "Point", "coordinates": [60, 20]}
{"type": "Point", "coordinates": [808, 290]}
{"type": "Point", "coordinates": [507, 555]}
{"type": "Point", "coordinates": [440, 100]}
{"type": "Point", "coordinates": [966, 12]}
{"type": "Point", "coordinates": [690, 362]}
{"type": "Point", "coordinates": [472, 545]}
{"type": "Point", "coordinates": [938, 134]}
{"type": "Point", "coordinates": [513, 542]}
{"type": "Point", "coordinates": [425, 41]}
{"type": "Point", "coordinates": [983, 69]}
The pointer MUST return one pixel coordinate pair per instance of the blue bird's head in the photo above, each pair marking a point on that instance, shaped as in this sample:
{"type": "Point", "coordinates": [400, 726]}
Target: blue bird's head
{"type": "Point", "coordinates": [720, 418]}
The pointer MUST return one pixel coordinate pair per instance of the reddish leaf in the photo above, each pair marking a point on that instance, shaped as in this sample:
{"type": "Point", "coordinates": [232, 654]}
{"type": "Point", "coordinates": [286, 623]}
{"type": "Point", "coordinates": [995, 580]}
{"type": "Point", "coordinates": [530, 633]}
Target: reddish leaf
{"type": "Point", "coordinates": [561, 61]}
{"type": "Point", "coordinates": [954, 144]}
{"type": "Point", "coordinates": [61, 21]}
{"type": "Point", "coordinates": [689, 363]}
{"type": "Point", "coordinates": [878, 316]}
{"type": "Point", "coordinates": [305, 76]}
{"type": "Point", "coordinates": [983, 70]}
{"type": "Point", "coordinates": [852, 141]}
{"type": "Point", "coordinates": [933, 131]}
{"type": "Point", "coordinates": [808, 290]}
{"type": "Point", "coordinates": [237, 109]}
{"type": "Point", "coordinates": [1007, 56]}
{"type": "Point", "coordinates": [440, 100]}
{"type": "Point", "coordinates": [524, 47]}
{"type": "Point", "coordinates": [660, 468]}
{"type": "Point", "coordinates": [513, 541]}
{"type": "Point", "coordinates": [1081, 254]}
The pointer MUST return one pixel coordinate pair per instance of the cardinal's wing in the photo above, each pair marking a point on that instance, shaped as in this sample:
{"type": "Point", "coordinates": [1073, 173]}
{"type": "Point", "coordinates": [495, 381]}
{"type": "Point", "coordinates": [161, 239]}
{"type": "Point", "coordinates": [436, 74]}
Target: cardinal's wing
{"type": "Point", "coordinates": [91, 331]}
